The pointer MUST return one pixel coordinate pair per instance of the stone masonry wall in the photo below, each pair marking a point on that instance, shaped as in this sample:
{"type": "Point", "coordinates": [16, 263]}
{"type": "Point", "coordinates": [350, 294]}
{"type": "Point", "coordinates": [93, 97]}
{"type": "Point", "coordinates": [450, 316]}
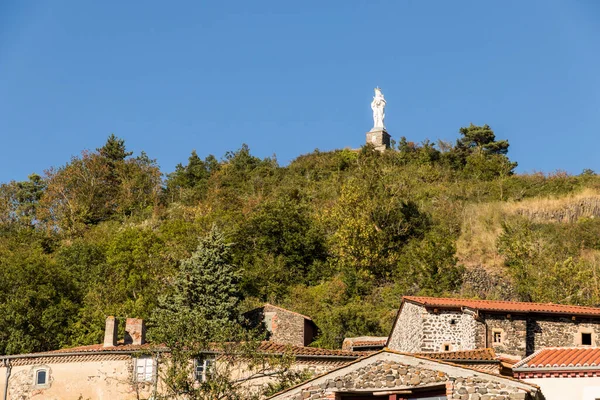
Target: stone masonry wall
{"type": "Point", "coordinates": [393, 376]}
{"type": "Point", "coordinates": [422, 330]}
{"type": "Point", "coordinates": [523, 335]}
{"type": "Point", "coordinates": [286, 327]}
{"type": "Point", "coordinates": [513, 333]}
{"type": "Point", "coordinates": [408, 331]}
{"type": "Point", "coordinates": [559, 332]}
{"type": "Point", "coordinates": [453, 328]}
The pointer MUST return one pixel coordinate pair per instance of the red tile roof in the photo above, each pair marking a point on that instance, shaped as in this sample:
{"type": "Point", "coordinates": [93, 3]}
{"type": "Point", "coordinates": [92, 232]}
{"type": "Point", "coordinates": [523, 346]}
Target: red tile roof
{"type": "Point", "coordinates": [369, 343]}
{"type": "Point", "coordinates": [271, 347]}
{"type": "Point", "coordinates": [99, 348]}
{"type": "Point", "coordinates": [364, 341]}
{"type": "Point", "coordinates": [267, 347]}
{"type": "Point", "coordinates": [504, 306]}
{"type": "Point", "coordinates": [561, 357]}
{"type": "Point", "coordinates": [464, 355]}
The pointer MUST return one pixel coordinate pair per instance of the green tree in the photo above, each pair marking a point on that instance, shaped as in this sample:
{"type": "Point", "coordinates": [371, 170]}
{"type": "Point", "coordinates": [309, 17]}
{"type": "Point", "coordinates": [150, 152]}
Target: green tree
{"type": "Point", "coordinates": [200, 314]}
{"type": "Point", "coordinates": [114, 149]}
{"type": "Point", "coordinates": [189, 183]}
{"type": "Point", "coordinates": [279, 245]}
{"type": "Point", "coordinates": [38, 301]}
{"type": "Point", "coordinates": [19, 201]}
{"type": "Point", "coordinates": [481, 139]}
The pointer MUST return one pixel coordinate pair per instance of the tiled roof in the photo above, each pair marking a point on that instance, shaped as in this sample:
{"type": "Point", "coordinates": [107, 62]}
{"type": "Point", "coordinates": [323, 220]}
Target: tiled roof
{"type": "Point", "coordinates": [272, 347]}
{"type": "Point", "coordinates": [364, 341]}
{"type": "Point", "coordinates": [99, 348]}
{"type": "Point", "coordinates": [465, 355]}
{"type": "Point", "coordinates": [504, 306]}
{"type": "Point", "coordinates": [267, 347]}
{"type": "Point", "coordinates": [561, 357]}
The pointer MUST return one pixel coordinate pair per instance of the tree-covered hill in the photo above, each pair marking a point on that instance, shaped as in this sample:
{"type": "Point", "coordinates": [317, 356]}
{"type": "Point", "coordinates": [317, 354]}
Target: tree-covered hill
{"type": "Point", "coordinates": [340, 235]}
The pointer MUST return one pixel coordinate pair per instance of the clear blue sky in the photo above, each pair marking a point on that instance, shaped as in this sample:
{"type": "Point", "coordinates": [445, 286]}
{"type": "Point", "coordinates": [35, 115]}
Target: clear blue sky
{"type": "Point", "coordinates": [287, 77]}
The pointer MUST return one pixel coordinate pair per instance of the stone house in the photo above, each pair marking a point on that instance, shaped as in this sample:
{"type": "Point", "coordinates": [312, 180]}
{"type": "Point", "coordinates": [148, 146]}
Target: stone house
{"type": "Point", "coordinates": [283, 326]}
{"type": "Point", "coordinates": [563, 373]}
{"type": "Point", "coordinates": [428, 324]}
{"type": "Point", "coordinates": [390, 375]}
{"type": "Point", "coordinates": [130, 368]}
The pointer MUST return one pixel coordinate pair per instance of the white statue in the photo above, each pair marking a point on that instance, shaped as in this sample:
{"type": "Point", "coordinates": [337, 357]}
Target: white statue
{"type": "Point", "coordinates": [378, 106]}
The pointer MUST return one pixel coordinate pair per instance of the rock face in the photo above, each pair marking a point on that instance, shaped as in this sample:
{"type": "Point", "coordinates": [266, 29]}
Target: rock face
{"type": "Point", "coordinates": [570, 212]}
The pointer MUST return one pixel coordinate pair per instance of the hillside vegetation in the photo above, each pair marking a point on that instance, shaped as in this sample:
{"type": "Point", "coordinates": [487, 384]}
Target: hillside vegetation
{"type": "Point", "coordinates": [339, 235]}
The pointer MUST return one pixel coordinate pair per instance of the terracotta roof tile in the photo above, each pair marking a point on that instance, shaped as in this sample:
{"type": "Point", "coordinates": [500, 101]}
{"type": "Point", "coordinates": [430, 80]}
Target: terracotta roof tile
{"type": "Point", "coordinates": [504, 306]}
{"type": "Point", "coordinates": [267, 347]}
{"type": "Point", "coordinates": [561, 357]}
{"type": "Point", "coordinates": [99, 348]}
{"type": "Point", "coordinates": [464, 355]}
{"type": "Point", "coordinates": [366, 343]}
{"type": "Point", "coordinates": [309, 351]}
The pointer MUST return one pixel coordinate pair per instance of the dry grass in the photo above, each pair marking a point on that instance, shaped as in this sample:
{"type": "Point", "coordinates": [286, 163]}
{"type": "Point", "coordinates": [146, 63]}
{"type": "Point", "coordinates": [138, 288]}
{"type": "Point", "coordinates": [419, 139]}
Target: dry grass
{"type": "Point", "coordinates": [482, 224]}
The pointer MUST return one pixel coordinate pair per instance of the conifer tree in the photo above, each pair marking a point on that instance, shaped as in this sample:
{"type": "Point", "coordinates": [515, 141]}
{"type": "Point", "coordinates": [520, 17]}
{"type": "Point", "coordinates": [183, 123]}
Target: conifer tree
{"type": "Point", "coordinates": [205, 296]}
{"type": "Point", "coordinates": [201, 315]}
{"type": "Point", "coordinates": [114, 149]}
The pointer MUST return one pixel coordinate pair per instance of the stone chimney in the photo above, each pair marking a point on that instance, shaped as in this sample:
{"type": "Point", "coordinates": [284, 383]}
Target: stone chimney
{"type": "Point", "coordinates": [135, 331]}
{"type": "Point", "coordinates": [111, 331]}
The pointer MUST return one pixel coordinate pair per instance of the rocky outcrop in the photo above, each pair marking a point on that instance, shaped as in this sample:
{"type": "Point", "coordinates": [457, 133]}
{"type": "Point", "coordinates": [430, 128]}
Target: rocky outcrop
{"type": "Point", "coordinates": [563, 211]}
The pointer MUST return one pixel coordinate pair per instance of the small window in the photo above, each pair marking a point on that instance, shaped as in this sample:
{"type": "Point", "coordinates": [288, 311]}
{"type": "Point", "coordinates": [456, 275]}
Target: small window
{"type": "Point", "coordinates": [586, 339]}
{"type": "Point", "coordinates": [497, 337]}
{"type": "Point", "coordinates": [203, 368]}
{"type": "Point", "coordinates": [446, 347]}
{"type": "Point", "coordinates": [144, 369]}
{"type": "Point", "coordinates": [452, 322]}
{"type": "Point", "coordinates": [41, 377]}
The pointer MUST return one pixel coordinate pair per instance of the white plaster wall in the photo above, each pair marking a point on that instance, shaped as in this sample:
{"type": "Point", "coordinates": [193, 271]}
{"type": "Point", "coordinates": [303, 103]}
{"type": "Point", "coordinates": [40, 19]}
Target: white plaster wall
{"type": "Point", "coordinates": [568, 388]}
{"type": "Point", "coordinates": [101, 380]}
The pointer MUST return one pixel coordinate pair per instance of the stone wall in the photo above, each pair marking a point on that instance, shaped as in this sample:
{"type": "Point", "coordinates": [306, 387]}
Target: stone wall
{"type": "Point", "coordinates": [384, 375]}
{"type": "Point", "coordinates": [407, 335]}
{"type": "Point", "coordinates": [283, 326]}
{"type": "Point", "coordinates": [421, 330]}
{"type": "Point", "coordinates": [513, 334]}
{"type": "Point", "coordinates": [453, 328]}
{"type": "Point", "coordinates": [523, 335]}
{"type": "Point", "coordinates": [547, 331]}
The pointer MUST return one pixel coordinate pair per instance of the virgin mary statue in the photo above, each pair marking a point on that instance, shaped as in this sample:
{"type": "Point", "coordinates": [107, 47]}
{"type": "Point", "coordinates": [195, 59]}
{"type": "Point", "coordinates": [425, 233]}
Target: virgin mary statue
{"type": "Point", "coordinates": [378, 106]}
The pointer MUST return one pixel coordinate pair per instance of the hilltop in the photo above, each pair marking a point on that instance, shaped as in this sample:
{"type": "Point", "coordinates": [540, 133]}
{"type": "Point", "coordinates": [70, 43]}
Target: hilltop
{"type": "Point", "coordinates": [338, 235]}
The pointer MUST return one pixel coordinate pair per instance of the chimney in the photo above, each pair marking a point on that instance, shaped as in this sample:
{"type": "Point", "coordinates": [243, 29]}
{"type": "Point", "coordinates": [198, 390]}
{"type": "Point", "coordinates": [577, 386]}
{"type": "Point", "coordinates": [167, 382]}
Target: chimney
{"type": "Point", "coordinates": [110, 331]}
{"type": "Point", "coordinates": [135, 331]}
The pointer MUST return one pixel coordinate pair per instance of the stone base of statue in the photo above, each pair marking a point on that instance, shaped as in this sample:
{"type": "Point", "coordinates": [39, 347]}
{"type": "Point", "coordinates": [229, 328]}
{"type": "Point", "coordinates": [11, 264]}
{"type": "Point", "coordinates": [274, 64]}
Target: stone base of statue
{"type": "Point", "coordinates": [379, 138]}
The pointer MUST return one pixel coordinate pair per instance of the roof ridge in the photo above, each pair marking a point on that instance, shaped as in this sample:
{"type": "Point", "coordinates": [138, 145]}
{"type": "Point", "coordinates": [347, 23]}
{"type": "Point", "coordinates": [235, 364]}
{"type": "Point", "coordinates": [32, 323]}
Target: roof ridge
{"type": "Point", "coordinates": [290, 311]}
{"type": "Point", "coordinates": [503, 306]}
{"type": "Point", "coordinates": [496, 301]}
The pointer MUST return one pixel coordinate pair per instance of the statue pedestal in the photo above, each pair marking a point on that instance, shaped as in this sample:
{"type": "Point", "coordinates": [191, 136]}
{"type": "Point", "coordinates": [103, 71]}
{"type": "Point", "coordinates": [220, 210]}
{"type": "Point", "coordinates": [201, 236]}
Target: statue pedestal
{"type": "Point", "coordinates": [379, 138]}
